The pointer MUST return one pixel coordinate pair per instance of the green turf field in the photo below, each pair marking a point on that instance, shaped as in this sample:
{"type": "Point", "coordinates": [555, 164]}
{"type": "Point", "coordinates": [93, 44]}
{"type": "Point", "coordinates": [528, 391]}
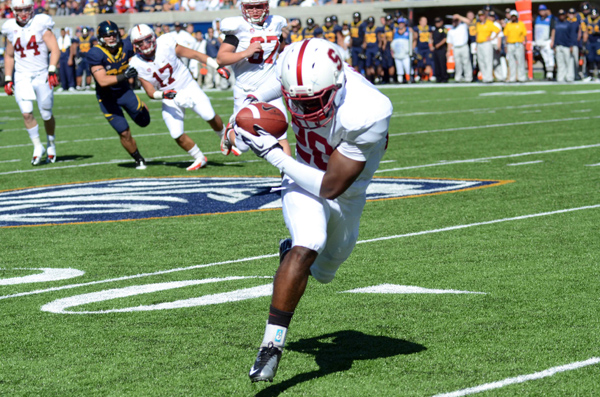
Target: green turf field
{"type": "Point", "coordinates": [534, 265]}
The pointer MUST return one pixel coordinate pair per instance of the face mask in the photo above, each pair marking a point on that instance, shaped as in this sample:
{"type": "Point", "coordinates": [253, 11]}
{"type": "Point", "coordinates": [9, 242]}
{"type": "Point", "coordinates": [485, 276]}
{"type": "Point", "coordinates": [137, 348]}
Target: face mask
{"type": "Point", "coordinates": [345, 31]}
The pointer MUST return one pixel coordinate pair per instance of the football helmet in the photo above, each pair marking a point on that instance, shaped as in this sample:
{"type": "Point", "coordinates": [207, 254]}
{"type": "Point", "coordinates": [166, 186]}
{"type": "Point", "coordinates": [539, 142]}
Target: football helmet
{"type": "Point", "coordinates": [143, 39]}
{"type": "Point", "coordinates": [108, 34]}
{"type": "Point", "coordinates": [328, 22]}
{"type": "Point", "coordinates": [23, 10]}
{"type": "Point", "coordinates": [334, 19]}
{"type": "Point", "coordinates": [310, 23]}
{"type": "Point", "coordinates": [586, 6]}
{"type": "Point", "coordinates": [594, 12]}
{"type": "Point", "coordinates": [370, 21]}
{"type": "Point", "coordinates": [255, 11]}
{"type": "Point", "coordinates": [85, 32]}
{"type": "Point", "coordinates": [356, 17]}
{"type": "Point", "coordinates": [312, 82]}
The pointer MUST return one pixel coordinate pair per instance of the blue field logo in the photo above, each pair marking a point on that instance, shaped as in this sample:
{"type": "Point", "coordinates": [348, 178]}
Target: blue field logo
{"type": "Point", "coordinates": [143, 198]}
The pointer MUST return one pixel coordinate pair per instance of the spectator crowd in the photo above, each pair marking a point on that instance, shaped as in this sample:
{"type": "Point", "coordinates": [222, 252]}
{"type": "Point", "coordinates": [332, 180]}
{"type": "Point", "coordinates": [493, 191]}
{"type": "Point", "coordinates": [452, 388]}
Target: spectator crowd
{"type": "Point", "coordinates": [486, 46]}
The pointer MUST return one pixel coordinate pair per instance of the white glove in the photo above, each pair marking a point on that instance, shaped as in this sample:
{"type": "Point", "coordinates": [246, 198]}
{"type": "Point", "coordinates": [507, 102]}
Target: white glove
{"type": "Point", "coordinates": [261, 145]}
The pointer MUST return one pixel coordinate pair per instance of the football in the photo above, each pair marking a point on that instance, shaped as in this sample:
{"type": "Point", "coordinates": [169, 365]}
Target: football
{"type": "Point", "coordinates": [264, 116]}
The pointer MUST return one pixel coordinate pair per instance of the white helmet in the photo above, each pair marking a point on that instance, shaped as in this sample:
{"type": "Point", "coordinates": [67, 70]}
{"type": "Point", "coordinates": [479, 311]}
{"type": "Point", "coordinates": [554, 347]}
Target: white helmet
{"type": "Point", "coordinates": [312, 80]}
{"type": "Point", "coordinates": [143, 40]}
{"type": "Point", "coordinates": [23, 10]}
{"type": "Point", "coordinates": [255, 11]}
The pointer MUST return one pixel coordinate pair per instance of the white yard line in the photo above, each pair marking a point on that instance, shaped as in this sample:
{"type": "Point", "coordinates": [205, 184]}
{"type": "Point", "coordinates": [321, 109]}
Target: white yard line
{"type": "Point", "coordinates": [592, 165]}
{"type": "Point", "coordinates": [494, 109]}
{"type": "Point", "coordinates": [512, 93]}
{"type": "Point", "coordinates": [10, 161]}
{"type": "Point", "coordinates": [476, 127]}
{"type": "Point", "coordinates": [106, 138]}
{"type": "Point", "coordinates": [490, 158]}
{"type": "Point", "coordinates": [446, 229]}
{"type": "Point", "coordinates": [525, 163]}
{"type": "Point", "coordinates": [100, 163]}
{"type": "Point", "coordinates": [522, 378]}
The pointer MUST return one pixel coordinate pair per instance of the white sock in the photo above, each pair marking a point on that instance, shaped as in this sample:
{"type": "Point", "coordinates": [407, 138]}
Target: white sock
{"type": "Point", "coordinates": [220, 133]}
{"type": "Point", "coordinates": [195, 152]}
{"type": "Point", "coordinates": [50, 140]}
{"type": "Point", "coordinates": [34, 135]}
{"type": "Point", "coordinates": [275, 334]}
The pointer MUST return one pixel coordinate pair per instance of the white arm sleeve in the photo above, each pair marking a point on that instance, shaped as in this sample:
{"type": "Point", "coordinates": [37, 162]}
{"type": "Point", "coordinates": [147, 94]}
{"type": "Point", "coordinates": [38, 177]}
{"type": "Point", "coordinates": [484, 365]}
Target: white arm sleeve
{"type": "Point", "coordinates": [310, 179]}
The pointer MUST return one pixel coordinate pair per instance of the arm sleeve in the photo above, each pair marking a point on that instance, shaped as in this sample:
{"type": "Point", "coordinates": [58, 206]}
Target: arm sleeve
{"type": "Point", "coordinates": [231, 39]}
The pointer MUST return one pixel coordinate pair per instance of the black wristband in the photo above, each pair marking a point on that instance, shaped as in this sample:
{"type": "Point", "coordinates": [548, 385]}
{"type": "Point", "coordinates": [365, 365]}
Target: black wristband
{"type": "Point", "coordinates": [121, 78]}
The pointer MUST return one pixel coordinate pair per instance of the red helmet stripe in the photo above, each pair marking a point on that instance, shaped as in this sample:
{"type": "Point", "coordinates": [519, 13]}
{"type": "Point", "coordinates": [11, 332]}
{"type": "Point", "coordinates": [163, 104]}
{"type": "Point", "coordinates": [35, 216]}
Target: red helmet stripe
{"type": "Point", "coordinates": [299, 63]}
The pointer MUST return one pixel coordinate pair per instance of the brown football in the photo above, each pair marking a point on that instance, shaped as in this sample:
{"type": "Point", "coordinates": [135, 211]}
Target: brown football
{"type": "Point", "coordinates": [264, 116]}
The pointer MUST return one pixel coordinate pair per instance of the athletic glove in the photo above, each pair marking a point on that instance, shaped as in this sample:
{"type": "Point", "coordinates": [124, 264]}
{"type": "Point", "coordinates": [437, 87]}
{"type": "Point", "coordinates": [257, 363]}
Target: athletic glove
{"type": "Point", "coordinates": [261, 145]}
{"type": "Point", "coordinates": [224, 73]}
{"type": "Point", "coordinates": [130, 72]}
{"type": "Point", "coordinates": [52, 77]}
{"type": "Point", "coordinates": [8, 85]}
{"type": "Point", "coordinates": [362, 55]}
{"type": "Point", "coordinates": [169, 94]}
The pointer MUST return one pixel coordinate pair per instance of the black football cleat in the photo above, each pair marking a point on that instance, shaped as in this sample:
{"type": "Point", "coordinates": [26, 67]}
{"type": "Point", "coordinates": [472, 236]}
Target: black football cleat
{"type": "Point", "coordinates": [285, 245]}
{"type": "Point", "coordinates": [265, 366]}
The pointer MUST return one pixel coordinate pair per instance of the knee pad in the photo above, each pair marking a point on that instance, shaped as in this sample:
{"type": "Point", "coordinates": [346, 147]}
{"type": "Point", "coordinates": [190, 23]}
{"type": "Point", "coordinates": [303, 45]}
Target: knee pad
{"type": "Point", "coordinates": [143, 117]}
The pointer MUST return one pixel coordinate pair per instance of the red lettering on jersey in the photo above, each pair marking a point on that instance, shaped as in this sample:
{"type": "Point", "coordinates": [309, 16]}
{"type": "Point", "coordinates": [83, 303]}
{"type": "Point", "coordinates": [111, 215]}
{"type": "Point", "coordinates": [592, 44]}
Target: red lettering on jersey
{"type": "Point", "coordinates": [318, 146]}
{"type": "Point", "coordinates": [170, 80]}
{"type": "Point", "coordinates": [258, 57]}
{"type": "Point", "coordinates": [31, 45]}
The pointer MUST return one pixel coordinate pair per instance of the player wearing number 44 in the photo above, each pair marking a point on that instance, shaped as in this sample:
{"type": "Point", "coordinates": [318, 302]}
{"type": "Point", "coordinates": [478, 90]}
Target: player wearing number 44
{"type": "Point", "coordinates": [163, 76]}
{"type": "Point", "coordinates": [252, 44]}
{"type": "Point", "coordinates": [31, 38]}
{"type": "Point", "coordinates": [341, 124]}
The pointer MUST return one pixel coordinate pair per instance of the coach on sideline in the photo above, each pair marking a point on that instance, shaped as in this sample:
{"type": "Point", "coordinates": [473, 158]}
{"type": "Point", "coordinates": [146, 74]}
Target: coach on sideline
{"type": "Point", "coordinates": [562, 43]}
{"type": "Point", "coordinates": [458, 42]}
{"type": "Point", "coordinates": [515, 33]}
{"type": "Point", "coordinates": [487, 31]}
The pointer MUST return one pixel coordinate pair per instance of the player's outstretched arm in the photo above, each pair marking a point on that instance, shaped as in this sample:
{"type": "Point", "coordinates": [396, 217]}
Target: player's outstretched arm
{"type": "Point", "coordinates": [52, 45]}
{"type": "Point", "coordinates": [154, 93]}
{"type": "Point", "coordinates": [105, 80]}
{"type": "Point", "coordinates": [9, 59]}
{"type": "Point", "coordinates": [186, 52]}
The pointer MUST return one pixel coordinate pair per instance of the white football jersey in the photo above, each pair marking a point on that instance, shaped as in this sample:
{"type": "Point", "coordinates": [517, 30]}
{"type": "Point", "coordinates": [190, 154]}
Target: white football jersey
{"type": "Point", "coordinates": [251, 72]}
{"type": "Point", "coordinates": [185, 39]}
{"type": "Point", "coordinates": [358, 130]}
{"type": "Point", "coordinates": [31, 53]}
{"type": "Point", "coordinates": [166, 71]}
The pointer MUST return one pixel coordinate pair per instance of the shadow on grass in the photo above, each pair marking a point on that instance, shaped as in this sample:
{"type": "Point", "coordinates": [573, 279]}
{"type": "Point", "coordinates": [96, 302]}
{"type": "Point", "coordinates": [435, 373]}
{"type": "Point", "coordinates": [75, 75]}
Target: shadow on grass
{"type": "Point", "coordinates": [177, 164]}
{"type": "Point", "coordinates": [73, 157]}
{"type": "Point", "coordinates": [336, 352]}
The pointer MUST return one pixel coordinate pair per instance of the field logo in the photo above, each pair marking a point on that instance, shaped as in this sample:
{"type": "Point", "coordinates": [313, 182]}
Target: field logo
{"type": "Point", "coordinates": [143, 198]}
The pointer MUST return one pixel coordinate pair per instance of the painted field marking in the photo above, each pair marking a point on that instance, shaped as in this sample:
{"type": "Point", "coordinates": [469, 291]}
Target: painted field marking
{"type": "Point", "coordinates": [241, 162]}
{"type": "Point", "coordinates": [477, 127]}
{"type": "Point", "coordinates": [512, 93]}
{"type": "Point", "coordinates": [491, 158]}
{"type": "Point", "coordinates": [495, 109]}
{"type": "Point", "coordinates": [387, 161]}
{"type": "Point", "coordinates": [180, 269]}
{"type": "Point", "coordinates": [406, 289]}
{"type": "Point", "coordinates": [106, 138]}
{"type": "Point", "coordinates": [522, 378]}
{"type": "Point", "coordinates": [530, 111]}
{"type": "Point", "coordinates": [10, 161]}
{"type": "Point", "coordinates": [525, 163]}
{"type": "Point", "coordinates": [579, 92]}
{"type": "Point", "coordinates": [99, 163]}
{"type": "Point", "coordinates": [581, 111]}
{"type": "Point", "coordinates": [592, 165]}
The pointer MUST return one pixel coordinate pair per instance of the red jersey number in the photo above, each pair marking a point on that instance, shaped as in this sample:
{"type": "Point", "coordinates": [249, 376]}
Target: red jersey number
{"type": "Point", "coordinates": [31, 45]}
{"type": "Point", "coordinates": [170, 80]}
{"type": "Point", "coordinates": [258, 57]}
{"type": "Point", "coordinates": [318, 146]}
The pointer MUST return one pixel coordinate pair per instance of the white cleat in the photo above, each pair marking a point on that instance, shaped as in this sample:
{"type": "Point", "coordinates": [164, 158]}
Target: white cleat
{"type": "Point", "coordinates": [38, 152]}
{"type": "Point", "coordinates": [199, 163]}
{"type": "Point", "coordinates": [51, 154]}
{"type": "Point", "coordinates": [140, 165]}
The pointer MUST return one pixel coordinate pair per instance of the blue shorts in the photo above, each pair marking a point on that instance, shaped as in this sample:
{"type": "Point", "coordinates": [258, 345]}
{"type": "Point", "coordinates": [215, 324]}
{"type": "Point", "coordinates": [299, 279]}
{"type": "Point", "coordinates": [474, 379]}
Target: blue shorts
{"type": "Point", "coordinates": [357, 62]}
{"type": "Point", "coordinates": [594, 52]}
{"type": "Point", "coordinates": [387, 61]}
{"type": "Point", "coordinates": [129, 101]}
{"type": "Point", "coordinates": [424, 57]}
{"type": "Point", "coordinates": [82, 67]}
{"type": "Point", "coordinates": [371, 54]}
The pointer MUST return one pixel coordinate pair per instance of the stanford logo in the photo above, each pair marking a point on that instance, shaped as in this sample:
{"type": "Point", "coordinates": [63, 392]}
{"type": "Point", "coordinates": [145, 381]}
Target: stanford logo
{"type": "Point", "coordinates": [143, 198]}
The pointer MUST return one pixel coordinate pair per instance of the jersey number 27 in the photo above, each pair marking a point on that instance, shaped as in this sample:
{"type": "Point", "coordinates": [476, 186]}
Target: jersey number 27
{"type": "Point", "coordinates": [258, 56]}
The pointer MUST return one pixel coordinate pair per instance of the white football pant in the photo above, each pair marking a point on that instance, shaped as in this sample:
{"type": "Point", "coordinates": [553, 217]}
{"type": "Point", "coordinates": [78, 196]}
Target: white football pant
{"type": "Point", "coordinates": [31, 87]}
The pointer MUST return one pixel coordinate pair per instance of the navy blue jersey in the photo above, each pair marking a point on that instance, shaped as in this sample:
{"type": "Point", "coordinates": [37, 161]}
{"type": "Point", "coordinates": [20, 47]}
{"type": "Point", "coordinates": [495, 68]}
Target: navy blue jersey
{"type": "Point", "coordinates": [114, 64]}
